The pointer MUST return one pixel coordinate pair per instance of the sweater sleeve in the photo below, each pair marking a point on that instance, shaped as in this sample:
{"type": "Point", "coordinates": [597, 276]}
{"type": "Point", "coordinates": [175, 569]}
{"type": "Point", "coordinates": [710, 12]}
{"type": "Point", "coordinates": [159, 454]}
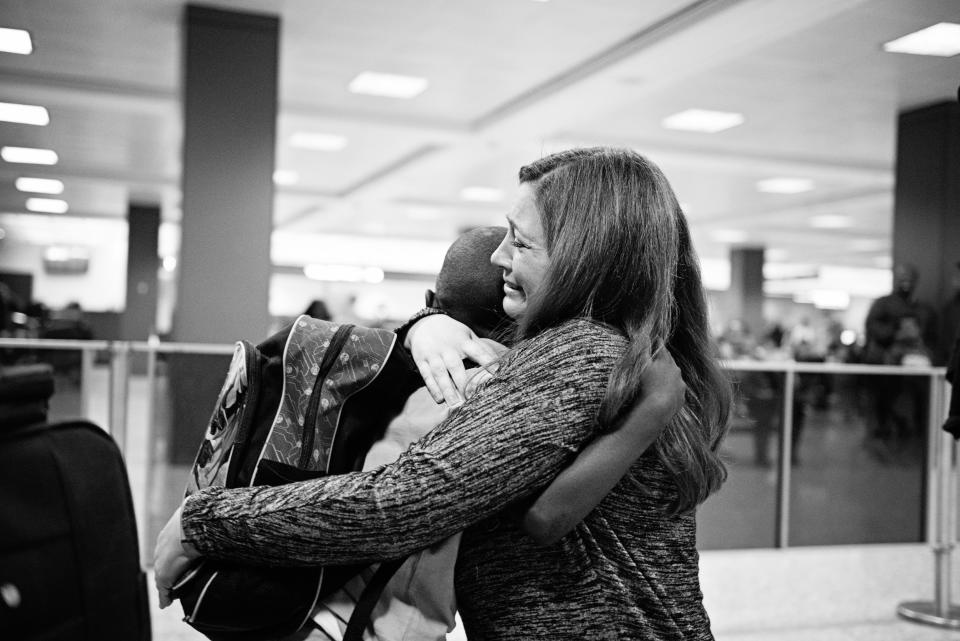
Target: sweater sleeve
{"type": "Point", "coordinates": [510, 439]}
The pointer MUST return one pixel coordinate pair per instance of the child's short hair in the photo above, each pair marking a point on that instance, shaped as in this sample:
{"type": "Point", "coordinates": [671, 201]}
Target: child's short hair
{"type": "Point", "coordinates": [469, 286]}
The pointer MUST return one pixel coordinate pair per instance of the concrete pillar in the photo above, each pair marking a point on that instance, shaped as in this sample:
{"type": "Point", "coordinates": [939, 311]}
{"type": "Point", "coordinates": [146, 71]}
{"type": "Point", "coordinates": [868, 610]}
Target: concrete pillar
{"type": "Point", "coordinates": [140, 312]}
{"type": "Point", "coordinates": [230, 113]}
{"type": "Point", "coordinates": [746, 287]}
{"type": "Point", "coordinates": [926, 218]}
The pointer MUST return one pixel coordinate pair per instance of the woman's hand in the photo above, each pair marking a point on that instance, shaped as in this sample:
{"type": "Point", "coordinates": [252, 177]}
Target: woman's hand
{"type": "Point", "coordinates": [439, 344]}
{"type": "Point", "coordinates": [171, 558]}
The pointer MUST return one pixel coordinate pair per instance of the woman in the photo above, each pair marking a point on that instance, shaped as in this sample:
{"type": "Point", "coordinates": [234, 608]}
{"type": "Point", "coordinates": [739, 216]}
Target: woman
{"type": "Point", "coordinates": [598, 266]}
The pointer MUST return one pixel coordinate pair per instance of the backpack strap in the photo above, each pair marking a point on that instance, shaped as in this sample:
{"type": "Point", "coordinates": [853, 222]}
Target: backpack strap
{"type": "Point", "coordinates": [368, 599]}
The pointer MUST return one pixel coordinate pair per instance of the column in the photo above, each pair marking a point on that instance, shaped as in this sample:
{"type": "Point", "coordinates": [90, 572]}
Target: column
{"type": "Point", "coordinates": [230, 112]}
{"type": "Point", "coordinates": [926, 217]}
{"type": "Point", "coordinates": [746, 287]}
{"type": "Point", "coordinates": [139, 316]}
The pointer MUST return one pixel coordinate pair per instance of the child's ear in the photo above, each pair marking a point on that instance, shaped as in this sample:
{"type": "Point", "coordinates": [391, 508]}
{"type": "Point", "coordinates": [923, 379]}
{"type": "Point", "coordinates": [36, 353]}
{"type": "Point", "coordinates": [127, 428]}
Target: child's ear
{"type": "Point", "coordinates": [431, 299]}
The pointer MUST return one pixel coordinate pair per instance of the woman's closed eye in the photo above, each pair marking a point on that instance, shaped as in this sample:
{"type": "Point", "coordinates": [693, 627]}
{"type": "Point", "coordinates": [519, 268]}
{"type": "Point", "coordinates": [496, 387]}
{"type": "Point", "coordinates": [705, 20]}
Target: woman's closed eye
{"type": "Point", "coordinates": [519, 244]}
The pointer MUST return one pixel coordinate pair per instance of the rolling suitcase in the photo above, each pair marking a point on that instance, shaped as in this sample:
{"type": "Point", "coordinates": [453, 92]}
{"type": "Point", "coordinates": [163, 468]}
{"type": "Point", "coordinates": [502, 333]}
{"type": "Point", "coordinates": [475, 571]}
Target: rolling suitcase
{"type": "Point", "coordinates": [69, 557]}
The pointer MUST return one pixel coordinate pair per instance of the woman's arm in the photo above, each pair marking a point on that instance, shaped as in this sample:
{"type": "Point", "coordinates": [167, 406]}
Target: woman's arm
{"type": "Point", "coordinates": [508, 441]}
{"type": "Point", "coordinates": [600, 466]}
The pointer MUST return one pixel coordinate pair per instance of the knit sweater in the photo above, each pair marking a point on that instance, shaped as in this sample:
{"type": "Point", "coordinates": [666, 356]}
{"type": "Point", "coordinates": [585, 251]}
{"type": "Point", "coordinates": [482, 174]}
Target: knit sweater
{"type": "Point", "coordinates": [626, 572]}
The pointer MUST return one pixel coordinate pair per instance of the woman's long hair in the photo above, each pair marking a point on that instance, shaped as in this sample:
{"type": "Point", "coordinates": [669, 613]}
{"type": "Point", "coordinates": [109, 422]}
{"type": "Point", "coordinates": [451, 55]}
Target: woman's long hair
{"type": "Point", "coordinates": [621, 254]}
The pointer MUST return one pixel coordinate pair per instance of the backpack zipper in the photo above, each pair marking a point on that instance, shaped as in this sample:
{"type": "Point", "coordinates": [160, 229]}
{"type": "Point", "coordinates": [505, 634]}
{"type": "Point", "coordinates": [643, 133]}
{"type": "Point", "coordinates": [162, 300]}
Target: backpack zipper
{"type": "Point", "coordinates": [329, 359]}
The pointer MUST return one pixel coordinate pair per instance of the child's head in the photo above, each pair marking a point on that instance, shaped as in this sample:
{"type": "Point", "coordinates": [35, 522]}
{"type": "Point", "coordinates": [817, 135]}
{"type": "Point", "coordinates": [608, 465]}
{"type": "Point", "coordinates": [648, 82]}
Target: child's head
{"type": "Point", "coordinates": [469, 286]}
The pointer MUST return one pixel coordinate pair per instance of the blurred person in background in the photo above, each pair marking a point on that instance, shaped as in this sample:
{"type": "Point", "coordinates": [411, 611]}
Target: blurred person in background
{"type": "Point", "coordinates": [949, 319]}
{"type": "Point", "coordinates": [892, 320]}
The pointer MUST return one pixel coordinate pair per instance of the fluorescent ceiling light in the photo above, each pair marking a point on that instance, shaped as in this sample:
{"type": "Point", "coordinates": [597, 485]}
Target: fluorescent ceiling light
{"type": "Point", "coordinates": [883, 262]}
{"type": "Point", "coordinates": [29, 155]}
{"type": "Point", "coordinates": [15, 41]}
{"type": "Point", "coordinates": [942, 39]}
{"type": "Point", "coordinates": [868, 244]}
{"type": "Point", "coordinates": [47, 205]}
{"type": "Point", "coordinates": [318, 141]}
{"type": "Point", "coordinates": [388, 85]}
{"type": "Point", "coordinates": [785, 185]}
{"type": "Point", "coordinates": [40, 185]}
{"type": "Point", "coordinates": [24, 114]}
{"type": "Point", "coordinates": [344, 273]}
{"type": "Point", "coordinates": [702, 120]}
{"type": "Point", "coordinates": [775, 254]}
{"type": "Point", "coordinates": [831, 221]}
{"type": "Point", "coordinates": [285, 177]}
{"type": "Point", "coordinates": [830, 299]}
{"type": "Point", "coordinates": [481, 194]}
{"type": "Point", "coordinates": [422, 212]}
{"type": "Point", "coordinates": [729, 235]}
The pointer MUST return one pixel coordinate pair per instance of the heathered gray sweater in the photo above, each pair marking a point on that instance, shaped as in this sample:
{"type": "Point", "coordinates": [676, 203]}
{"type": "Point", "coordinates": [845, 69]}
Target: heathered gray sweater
{"type": "Point", "coordinates": [625, 572]}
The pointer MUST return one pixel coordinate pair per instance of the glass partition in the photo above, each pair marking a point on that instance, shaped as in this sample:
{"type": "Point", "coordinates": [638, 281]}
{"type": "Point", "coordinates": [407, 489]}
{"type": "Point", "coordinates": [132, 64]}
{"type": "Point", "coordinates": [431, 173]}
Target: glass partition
{"type": "Point", "coordinates": [743, 514]}
{"type": "Point", "coordinates": [862, 442]}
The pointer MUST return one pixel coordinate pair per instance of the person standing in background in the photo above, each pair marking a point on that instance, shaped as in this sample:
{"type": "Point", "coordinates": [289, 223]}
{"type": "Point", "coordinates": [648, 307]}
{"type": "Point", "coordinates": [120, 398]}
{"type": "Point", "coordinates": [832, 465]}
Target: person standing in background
{"type": "Point", "coordinates": [889, 318]}
{"type": "Point", "coordinates": [949, 319]}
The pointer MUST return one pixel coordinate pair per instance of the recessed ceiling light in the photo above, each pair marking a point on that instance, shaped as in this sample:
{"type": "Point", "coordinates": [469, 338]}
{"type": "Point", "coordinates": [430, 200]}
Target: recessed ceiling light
{"type": "Point", "coordinates": [729, 235]}
{"type": "Point", "coordinates": [39, 185]}
{"type": "Point", "coordinates": [942, 39]}
{"type": "Point", "coordinates": [775, 254]}
{"type": "Point", "coordinates": [831, 221]}
{"type": "Point", "coordinates": [285, 177]}
{"type": "Point", "coordinates": [883, 262]}
{"type": "Point", "coordinates": [29, 155]}
{"type": "Point", "coordinates": [15, 41]}
{"type": "Point", "coordinates": [702, 120]}
{"type": "Point", "coordinates": [388, 85]}
{"type": "Point", "coordinates": [422, 212]}
{"type": "Point", "coordinates": [318, 141]}
{"type": "Point", "coordinates": [344, 273]}
{"type": "Point", "coordinates": [785, 185]}
{"type": "Point", "coordinates": [47, 205]}
{"type": "Point", "coordinates": [481, 194]}
{"type": "Point", "coordinates": [24, 114]}
{"type": "Point", "coordinates": [830, 299]}
{"type": "Point", "coordinates": [868, 244]}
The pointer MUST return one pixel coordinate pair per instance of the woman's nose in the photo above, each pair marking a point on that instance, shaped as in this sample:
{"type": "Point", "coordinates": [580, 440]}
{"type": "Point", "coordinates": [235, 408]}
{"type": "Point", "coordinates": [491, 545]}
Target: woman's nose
{"type": "Point", "coordinates": [501, 255]}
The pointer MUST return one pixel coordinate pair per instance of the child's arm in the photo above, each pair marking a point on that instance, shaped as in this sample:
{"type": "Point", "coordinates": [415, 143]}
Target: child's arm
{"type": "Point", "coordinates": [603, 462]}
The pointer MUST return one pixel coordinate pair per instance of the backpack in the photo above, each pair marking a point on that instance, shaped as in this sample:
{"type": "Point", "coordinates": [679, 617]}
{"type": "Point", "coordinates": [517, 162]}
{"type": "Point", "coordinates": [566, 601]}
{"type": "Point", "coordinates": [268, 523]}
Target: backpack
{"type": "Point", "coordinates": [307, 402]}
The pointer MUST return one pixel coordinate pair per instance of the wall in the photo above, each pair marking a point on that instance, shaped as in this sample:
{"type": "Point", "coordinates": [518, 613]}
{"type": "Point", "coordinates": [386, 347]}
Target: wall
{"type": "Point", "coordinates": [101, 289]}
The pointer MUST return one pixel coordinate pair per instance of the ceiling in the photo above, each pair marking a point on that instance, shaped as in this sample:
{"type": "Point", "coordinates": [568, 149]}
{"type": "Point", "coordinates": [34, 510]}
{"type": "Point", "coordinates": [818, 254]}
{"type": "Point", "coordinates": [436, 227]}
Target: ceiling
{"type": "Point", "coordinates": [509, 80]}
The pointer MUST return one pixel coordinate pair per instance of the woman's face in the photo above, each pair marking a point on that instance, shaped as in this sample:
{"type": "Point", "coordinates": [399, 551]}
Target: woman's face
{"type": "Point", "coordinates": [522, 254]}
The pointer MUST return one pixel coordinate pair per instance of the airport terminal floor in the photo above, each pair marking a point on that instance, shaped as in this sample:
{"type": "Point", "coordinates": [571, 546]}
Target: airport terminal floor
{"type": "Point", "coordinates": [857, 543]}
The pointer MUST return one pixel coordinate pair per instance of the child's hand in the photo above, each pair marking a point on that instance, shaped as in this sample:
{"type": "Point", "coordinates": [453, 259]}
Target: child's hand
{"type": "Point", "coordinates": [439, 344]}
{"type": "Point", "coordinates": [662, 388]}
